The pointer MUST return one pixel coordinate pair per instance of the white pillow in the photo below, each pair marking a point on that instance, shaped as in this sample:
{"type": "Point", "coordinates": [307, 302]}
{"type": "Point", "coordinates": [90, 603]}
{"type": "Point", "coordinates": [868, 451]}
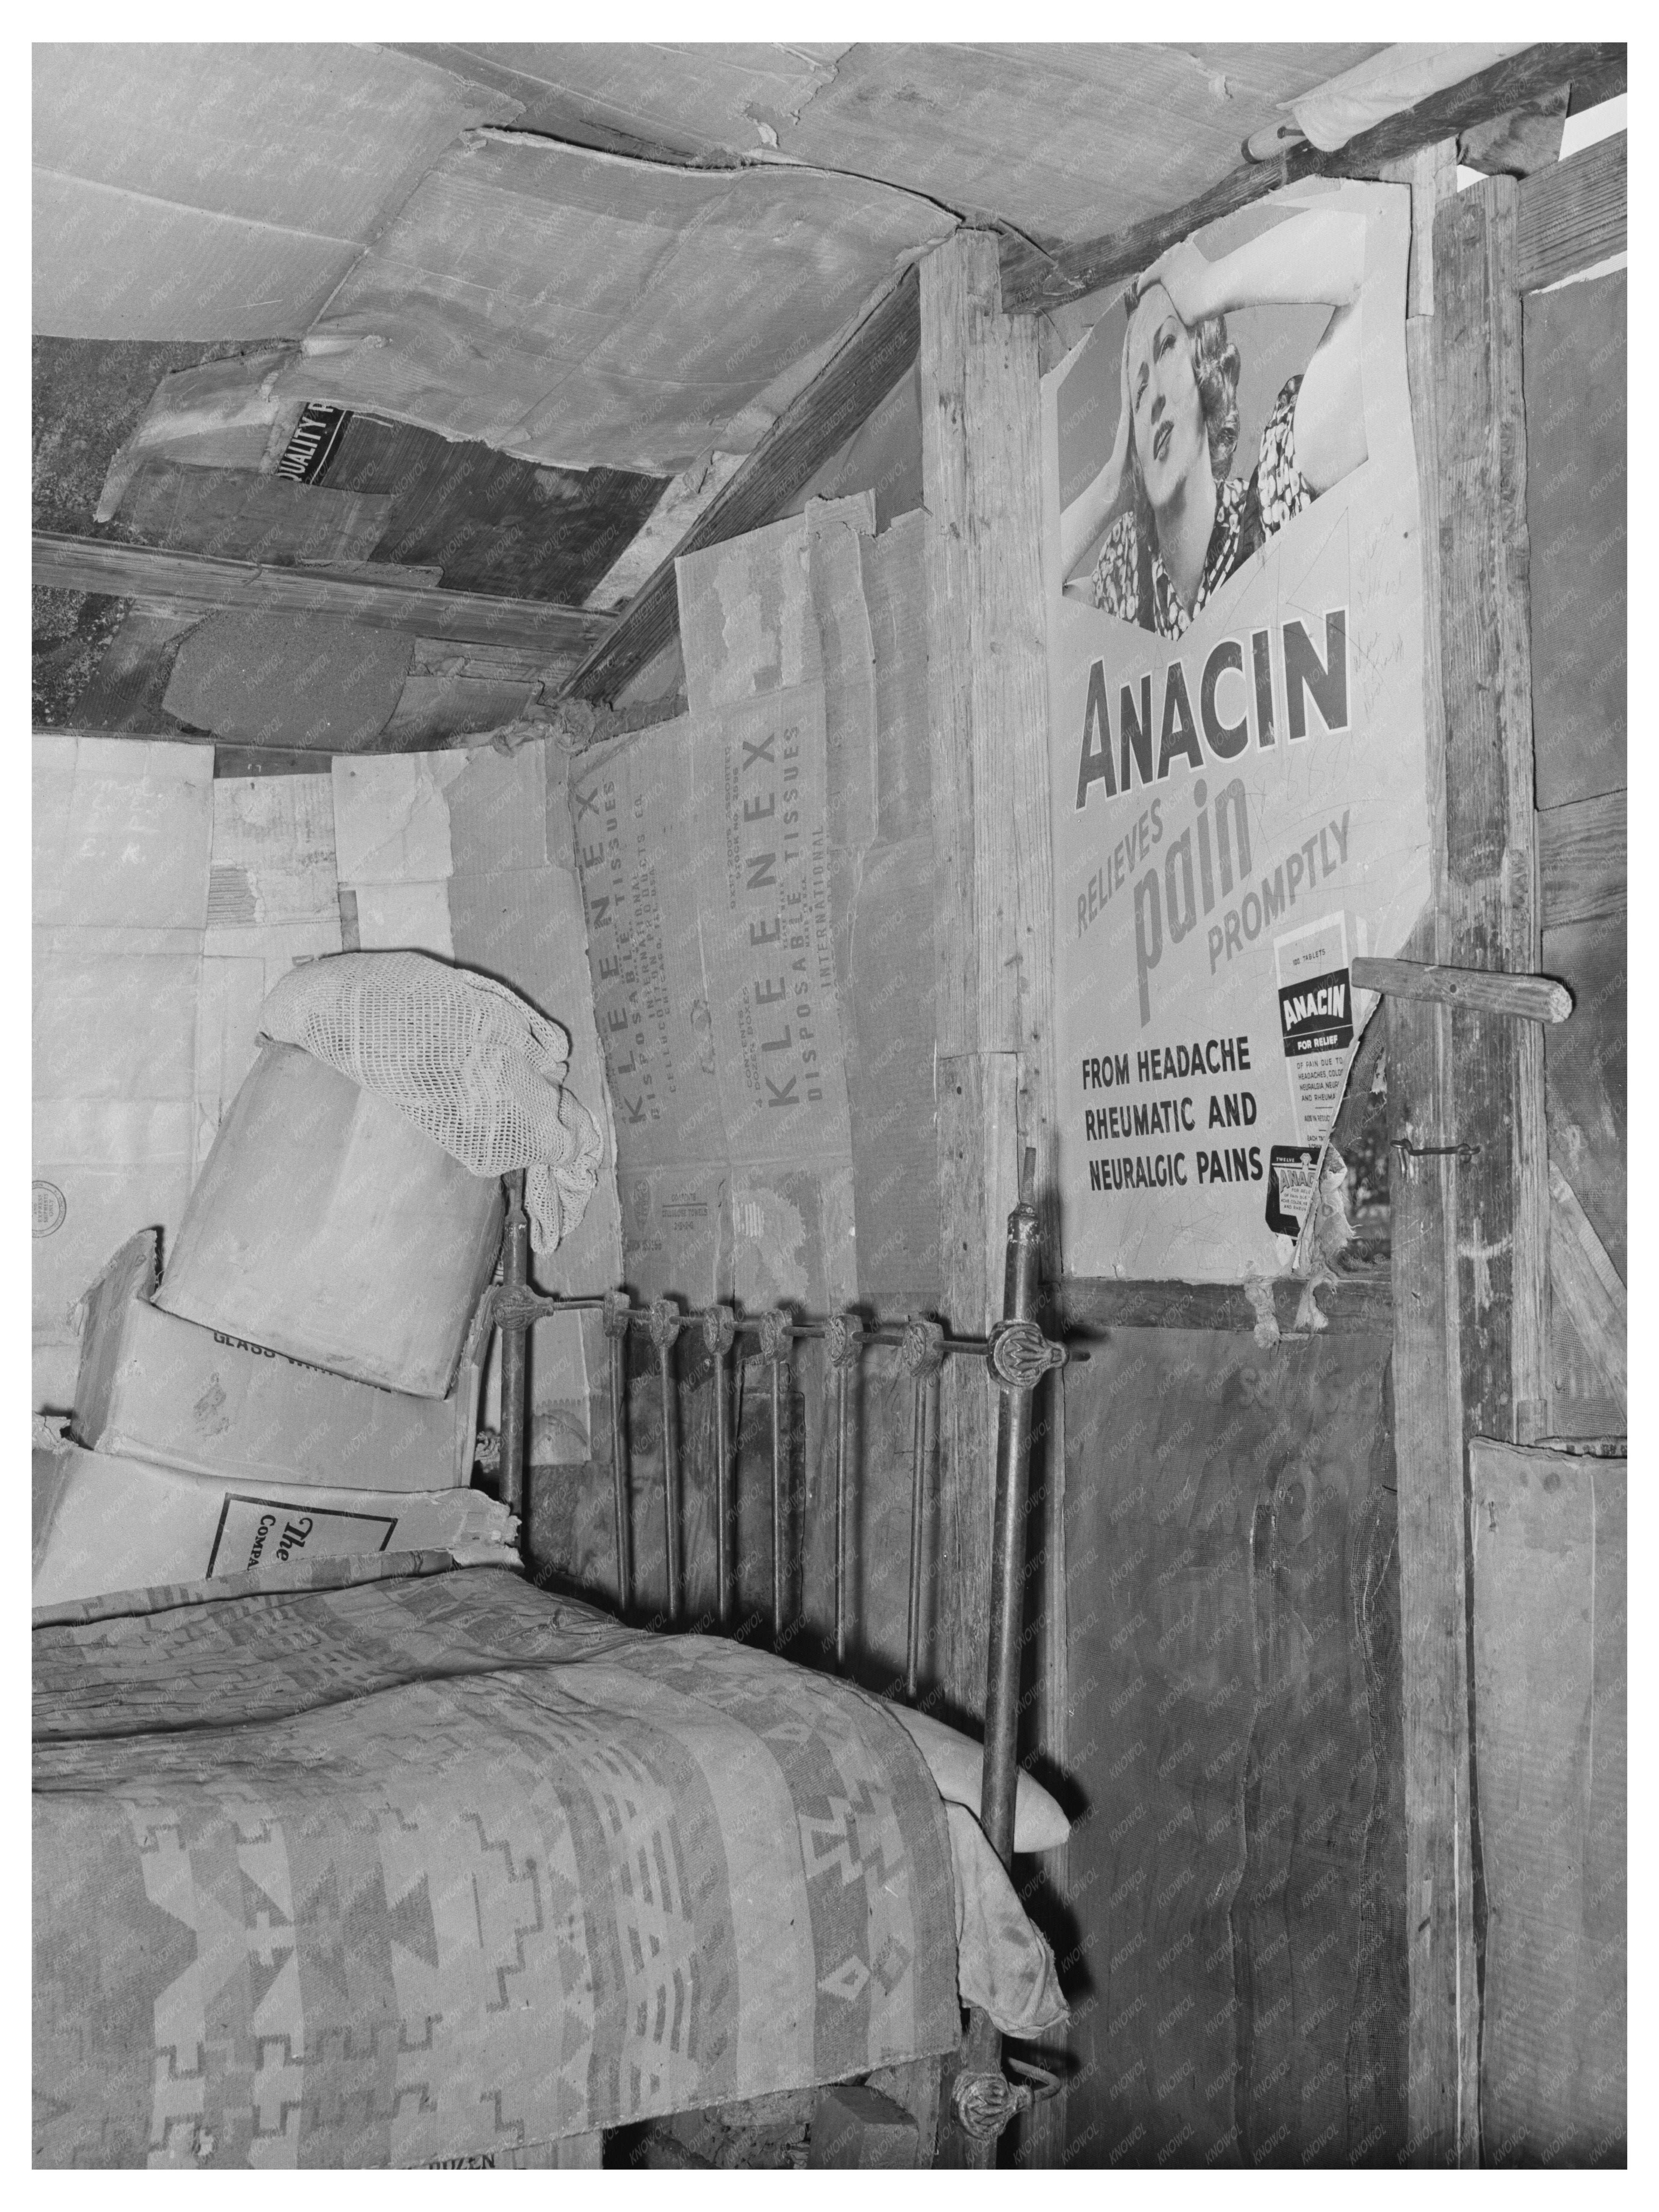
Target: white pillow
{"type": "Point", "coordinates": [957, 1764]}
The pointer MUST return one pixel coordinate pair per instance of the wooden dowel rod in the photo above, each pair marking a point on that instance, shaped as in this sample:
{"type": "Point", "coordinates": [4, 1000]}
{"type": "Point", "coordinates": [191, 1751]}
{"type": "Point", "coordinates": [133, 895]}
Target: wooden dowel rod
{"type": "Point", "coordinates": [1479, 990]}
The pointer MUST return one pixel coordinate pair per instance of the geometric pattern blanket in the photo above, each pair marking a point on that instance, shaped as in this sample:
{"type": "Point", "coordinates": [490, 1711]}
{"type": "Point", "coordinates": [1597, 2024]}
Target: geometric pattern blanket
{"type": "Point", "coordinates": [420, 1862]}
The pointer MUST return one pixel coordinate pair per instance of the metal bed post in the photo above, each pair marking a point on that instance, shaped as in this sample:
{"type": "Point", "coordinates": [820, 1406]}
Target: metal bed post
{"type": "Point", "coordinates": [719, 1333]}
{"type": "Point", "coordinates": [1018, 1356]}
{"type": "Point", "coordinates": [923, 1354]}
{"type": "Point", "coordinates": [776, 1331]}
{"type": "Point", "coordinates": [664, 1324]}
{"type": "Point", "coordinates": [515, 1281]}
{"type": "Point", "coordinates": [843, 1340]}
{"type": "Point", "coordinates": [616, 1337]}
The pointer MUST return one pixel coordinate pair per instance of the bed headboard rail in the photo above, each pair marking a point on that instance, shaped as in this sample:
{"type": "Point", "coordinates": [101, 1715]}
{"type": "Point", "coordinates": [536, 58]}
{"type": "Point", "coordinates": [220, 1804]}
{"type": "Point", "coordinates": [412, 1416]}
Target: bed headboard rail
{"type": "Point", "coordinates": [1017, 1356]}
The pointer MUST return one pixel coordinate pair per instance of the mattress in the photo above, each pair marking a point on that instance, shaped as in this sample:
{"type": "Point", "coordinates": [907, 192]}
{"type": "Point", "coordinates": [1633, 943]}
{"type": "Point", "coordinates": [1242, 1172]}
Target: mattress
{"type": "Point", "coordinates": [406, 1861]}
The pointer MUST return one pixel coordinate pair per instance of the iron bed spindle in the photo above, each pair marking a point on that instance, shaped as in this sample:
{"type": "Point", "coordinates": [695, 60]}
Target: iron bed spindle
{"type": "Point", "coordinates": [923, 1355]}
{"type": "Point", "coordinates": [776, 1331]}
{"type": "Point", "coordinates": [616, 1339]}
{"type": "Point", "coordinates": [843, 1341]}
{"type": "Point", "coordinates": [665, 1325]}
{"type": "Point", "coordinates": [719, 1333]}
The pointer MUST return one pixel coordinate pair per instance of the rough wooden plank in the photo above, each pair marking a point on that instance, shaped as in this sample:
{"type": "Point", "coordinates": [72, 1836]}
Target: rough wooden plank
{"type": "Point", "coordinates": [138, 572]}
{"type": "Point", "coordinates": [1550, 1606]}
{"type": "Point", "coordinates": [1443, 2034]}
{"type": "Point", "coordinates": [958, 285]}
{"type": "Point", "coordinates": [974, 1096]}
{"type": "Point", "coordinates": [1587, 1077]}
{"type": "Point", "coordinates": [1032, 280]}
{"type": "Point", "coordinates": [987, 691]}
{"type": "Point", "coordinates": [1573, 215]}
{"type": "Point", "coordinates": [810, 429]}
{"type": "Point", "coordinates": [1584, 1281]}
{"type": "Point", "coordinates": [1583, 868]}
{"type": "Point", "coordinates": [1486, 991]}
{"type": "Point", "coordinates": [978, 1186]}
{"type": "Point", "coordinates": [1442, 2012]}
{"type": "Point", "coordinates": [1489, 916]}
{"type": "Point", "coordinates": [1353, 1305]}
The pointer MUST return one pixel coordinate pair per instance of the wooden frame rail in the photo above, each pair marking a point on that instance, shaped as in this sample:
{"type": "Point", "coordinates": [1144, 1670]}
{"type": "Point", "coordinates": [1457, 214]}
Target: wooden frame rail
{"type": "Point", "coordinates": [148, 572]}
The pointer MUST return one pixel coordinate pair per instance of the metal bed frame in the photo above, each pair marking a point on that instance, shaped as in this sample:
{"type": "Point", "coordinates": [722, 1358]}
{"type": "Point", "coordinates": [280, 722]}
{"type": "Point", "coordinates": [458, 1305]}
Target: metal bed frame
{"type": "Point", "coordinates": [1017, 1355]}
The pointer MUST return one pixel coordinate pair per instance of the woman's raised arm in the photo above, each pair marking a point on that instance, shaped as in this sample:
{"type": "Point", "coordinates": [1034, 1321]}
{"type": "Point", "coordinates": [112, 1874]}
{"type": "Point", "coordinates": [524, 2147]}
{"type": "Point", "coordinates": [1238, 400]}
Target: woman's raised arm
{"type": "Point", "coordinates": [1083, 520]}
{"type": "Point", "coordinates": [1313, 259]}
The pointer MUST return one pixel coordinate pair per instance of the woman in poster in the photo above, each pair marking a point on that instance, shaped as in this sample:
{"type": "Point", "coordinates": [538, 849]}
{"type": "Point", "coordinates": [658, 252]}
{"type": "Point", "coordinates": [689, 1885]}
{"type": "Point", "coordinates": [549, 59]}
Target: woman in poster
{"type": "Point", "coordinates": [1189, 523]}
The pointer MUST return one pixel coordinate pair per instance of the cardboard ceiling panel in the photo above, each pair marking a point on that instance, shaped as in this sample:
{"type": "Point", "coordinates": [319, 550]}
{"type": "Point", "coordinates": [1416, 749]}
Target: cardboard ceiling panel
{"type": "Point", "coordinates": [220, 191]}
{"type": "Point", "coordinates": [580, 309]}
{"type": "Point", "coordinates": [687, 97]}
{"type": "Point", "coordinates": [1065, 140]}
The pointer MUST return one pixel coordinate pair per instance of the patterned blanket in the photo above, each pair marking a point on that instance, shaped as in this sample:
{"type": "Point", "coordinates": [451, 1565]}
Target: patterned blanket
{"type": "Point", "coordinates": [428, 1863]}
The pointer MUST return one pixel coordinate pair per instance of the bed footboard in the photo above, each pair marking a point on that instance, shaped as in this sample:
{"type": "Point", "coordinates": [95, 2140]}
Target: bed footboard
{"type": "Point", "coordinates": [978, 2098]}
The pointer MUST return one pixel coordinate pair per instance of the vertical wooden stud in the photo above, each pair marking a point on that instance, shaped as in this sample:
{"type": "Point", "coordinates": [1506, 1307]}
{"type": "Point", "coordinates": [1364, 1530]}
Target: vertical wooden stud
{"type": "Point", "coordinates": [987, 700]}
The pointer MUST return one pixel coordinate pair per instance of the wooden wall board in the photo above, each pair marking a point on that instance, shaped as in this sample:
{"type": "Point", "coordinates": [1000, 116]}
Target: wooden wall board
{"type": "Point", "coordinates": [1575, 380]}
{"type": "Point", "coordinates": [1549, 1657]}
{"type": "Point", "coordinates": [1573, 214]}
{"type": "Point", "coordinates": [350, 592]}
{"type": "Point", "coordinates": [1359, 1303]}
{"type": "Point", "coordinates": [1442, 2014]}
{"type": "Point", "coordinates": [1583, 862]}
{"type": "Point", "coordinates": [1235, 1886]}
{"type": "Point", "coordinates": [1587, 1062]}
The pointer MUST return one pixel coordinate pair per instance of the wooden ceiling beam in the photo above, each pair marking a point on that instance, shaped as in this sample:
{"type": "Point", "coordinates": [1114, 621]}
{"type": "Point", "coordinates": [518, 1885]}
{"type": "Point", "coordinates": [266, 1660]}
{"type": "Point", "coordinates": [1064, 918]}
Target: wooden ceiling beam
{"type": "Point", "coordinates": [146, 572]}
{"type": "Point", "coordinates": [814, 427]}
{"type": "Point", "coordinates": [1032, 280]}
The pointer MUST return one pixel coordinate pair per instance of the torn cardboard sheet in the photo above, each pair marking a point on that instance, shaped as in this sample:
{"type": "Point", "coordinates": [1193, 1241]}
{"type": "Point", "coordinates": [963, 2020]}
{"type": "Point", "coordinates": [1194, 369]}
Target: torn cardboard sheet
{"type": "Point", "coordinates": [120, 832]}
{"type": "Point", "coordinates": [223, 191]}
{"type": "Point", "coordinates": [273, 900]}
{"type": "Point", "coordinates": [552, 300]}
{"type": "Point", "coordinates": [103, 1170]}
{"type": "Point", "coordinates": [392, 817]}
{"type": "Point", "coordinates": [409, 917]}
{"type": "Point", "coordinates": [121, 864]}
{"type": "Point", "coordinates": [709, 934]}
{"type": "Point", "coordinates": [153, 1387]}
{"type": "Point", "coordinates": [116, 1523]}
{"type": "Point", "coordinates": [237, 515]}
{"type": "Point", "coordinates": [221, 415]}
{"type": "Point", "coordinates": [769, 1033]}
{"type": "Point", "coordinates": [273, 851]}
{"type": "Point", "coordinates": [322, 682]}
{"type": "Point", "coordinates": [392, 848]}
